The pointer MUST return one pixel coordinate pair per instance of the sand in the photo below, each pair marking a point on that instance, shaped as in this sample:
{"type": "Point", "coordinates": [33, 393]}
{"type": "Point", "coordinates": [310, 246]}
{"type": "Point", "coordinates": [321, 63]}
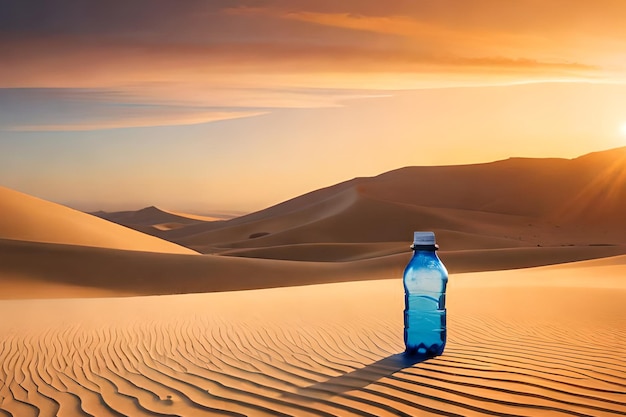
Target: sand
{"type": "Point", "coordinates": [27, 218]}
{"type": "Point", "coordinates": [537, 341]}
{"type": "Point", "coordinates": [46, 270]}
{"type": "Point", "coordinates": [519, 202]}
{"type": "Point", "coordinates": [154, 220]}
{"type": "Point", "coordinates": [297, 309]}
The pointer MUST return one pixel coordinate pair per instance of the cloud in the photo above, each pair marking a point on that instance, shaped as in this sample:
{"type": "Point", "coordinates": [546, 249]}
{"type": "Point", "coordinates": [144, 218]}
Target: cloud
{"type": "Point", "coordinates": [77, 109]}
{"type": "Point", "coordinates": [392, 25]}
{"type": "Point", "coordinates": [74, 63]}
{"type": "Point", "coordinates": [39, 110]}
{"type": "Point", "coordinates": [259, 54]}
{"type": "Point", "coordinates": [190, 118]}
{"type": "Point", "coordinates": [547, 34]}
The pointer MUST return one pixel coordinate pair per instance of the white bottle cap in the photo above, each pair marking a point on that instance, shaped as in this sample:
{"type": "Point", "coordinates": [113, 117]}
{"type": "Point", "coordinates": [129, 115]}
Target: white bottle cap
{"type": "Point", "coordinates": [423, 238]}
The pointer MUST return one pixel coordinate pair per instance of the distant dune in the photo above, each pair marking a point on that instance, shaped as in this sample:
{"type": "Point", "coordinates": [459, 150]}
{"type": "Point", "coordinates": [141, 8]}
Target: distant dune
{"type": "Point", "coordinates": [27, 218]}
{"type": "Point", "coordinates": [152, 219]}
{"type": "Point", "coordinates": [519, 202]}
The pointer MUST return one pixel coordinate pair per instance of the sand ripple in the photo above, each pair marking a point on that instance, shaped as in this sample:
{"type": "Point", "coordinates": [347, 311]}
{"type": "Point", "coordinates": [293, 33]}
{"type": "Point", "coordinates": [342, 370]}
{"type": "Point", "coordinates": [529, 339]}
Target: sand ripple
{"type": "Point", "coordinates": [227, 354]}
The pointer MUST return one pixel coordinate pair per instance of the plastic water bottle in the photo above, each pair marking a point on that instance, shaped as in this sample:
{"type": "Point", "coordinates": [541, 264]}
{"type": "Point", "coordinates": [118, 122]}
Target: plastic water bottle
{"type": "Point", "coordinates": [425, 279]}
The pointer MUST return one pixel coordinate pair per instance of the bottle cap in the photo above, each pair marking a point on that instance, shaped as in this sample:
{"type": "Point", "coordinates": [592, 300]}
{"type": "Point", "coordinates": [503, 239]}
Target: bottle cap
{"type": "Point", "coordinates": [423, 238]}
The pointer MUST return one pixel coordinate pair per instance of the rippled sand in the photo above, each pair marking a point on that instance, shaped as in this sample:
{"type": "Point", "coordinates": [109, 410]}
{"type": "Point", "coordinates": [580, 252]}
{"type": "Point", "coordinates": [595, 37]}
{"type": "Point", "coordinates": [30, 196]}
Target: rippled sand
{"type": "Point", "coordinates": [523, 342]}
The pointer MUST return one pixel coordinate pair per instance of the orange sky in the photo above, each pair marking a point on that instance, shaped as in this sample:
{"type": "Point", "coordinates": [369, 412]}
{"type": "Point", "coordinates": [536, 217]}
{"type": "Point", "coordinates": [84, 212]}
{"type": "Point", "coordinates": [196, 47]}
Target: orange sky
{"type": "Point", "coordinates": [196, 105]}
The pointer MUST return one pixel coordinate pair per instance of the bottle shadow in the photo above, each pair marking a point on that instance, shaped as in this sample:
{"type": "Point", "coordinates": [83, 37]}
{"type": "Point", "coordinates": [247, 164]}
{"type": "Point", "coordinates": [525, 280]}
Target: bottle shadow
{"type": "Point", "coordinates": [362, 377]}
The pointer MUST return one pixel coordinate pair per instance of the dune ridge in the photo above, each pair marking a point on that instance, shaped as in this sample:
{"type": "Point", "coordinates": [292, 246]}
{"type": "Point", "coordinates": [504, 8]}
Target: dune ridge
{"type": "Point", "coordinates": [31, 219]}
{"type": "Point", "coordinates": [321, 350]}
{"type": "Point", "coordinates": [510, 203]}
{"type": "Point", "coordinates": [62, 271]}
{"type": "Point", "coordinates": [153, 220]}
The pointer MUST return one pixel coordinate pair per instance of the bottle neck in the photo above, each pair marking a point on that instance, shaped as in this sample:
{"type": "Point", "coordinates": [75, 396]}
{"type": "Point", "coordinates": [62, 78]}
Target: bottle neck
{"type": "Point", "coordinates": [425, 248]}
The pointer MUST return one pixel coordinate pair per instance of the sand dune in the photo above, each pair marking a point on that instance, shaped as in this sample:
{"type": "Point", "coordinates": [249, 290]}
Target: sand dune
{"type": "Point", "coordinates": [156, 221]}
{"type": "Point", "coordinates": [322, 252]}
{"type": "Point", "coordinates": [514, 348]}
{"type": "Point", "coordinates": [43, 270]}
{"type": "Point", "coordinates": [205, 218]}
{"type": "Point", "coordinates": [31, 219]}
{"type": "Point", "coordinates": [504, 204]}
{"type": "Point", "coordinates": [544, 188]}
{"type": "Point", "coordinates": [366, 220]}
{"type": "Point", "coordinates": [153, 220]}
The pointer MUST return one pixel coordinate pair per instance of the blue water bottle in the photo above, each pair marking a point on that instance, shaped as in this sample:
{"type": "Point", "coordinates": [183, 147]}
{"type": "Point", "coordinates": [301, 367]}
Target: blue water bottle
{"type": "Point", "coordinates": [425, 279]}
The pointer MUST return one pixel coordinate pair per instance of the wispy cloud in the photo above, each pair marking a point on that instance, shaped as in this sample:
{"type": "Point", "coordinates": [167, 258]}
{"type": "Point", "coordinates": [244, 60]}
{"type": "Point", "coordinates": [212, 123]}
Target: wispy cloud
{"type": "Point", "coordinates": [244, 57]}
{"type": "Point", "coordinates": [136, 121]}
{"type": "Point", "coordinates": [165, 104]}
{"type": "Point", "coordinates": [41, 110]}
{"type": "Point", "coordinates": [404, 26]}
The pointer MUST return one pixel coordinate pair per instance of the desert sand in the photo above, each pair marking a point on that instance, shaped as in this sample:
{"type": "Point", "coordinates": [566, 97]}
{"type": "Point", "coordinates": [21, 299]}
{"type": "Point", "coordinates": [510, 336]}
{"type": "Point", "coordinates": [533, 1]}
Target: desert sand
{"type": "Point", "coordinates": [537, 341]}
{"type": "Point", "coordinates": [297, 309]}
{"type": "Point", "coordinates": [27, 218]}
{"type": "Point", "coordinates": [44, 270]}
{"type": "Point", "coordinates": [513, 203]}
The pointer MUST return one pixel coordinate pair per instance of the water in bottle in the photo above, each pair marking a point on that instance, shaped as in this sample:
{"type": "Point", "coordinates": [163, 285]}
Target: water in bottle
{"type": "Point", "coordinates": [425, 279]}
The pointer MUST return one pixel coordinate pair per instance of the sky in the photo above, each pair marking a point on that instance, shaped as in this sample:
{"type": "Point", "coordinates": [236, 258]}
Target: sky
{"type": "Point", "coordinates": [236, 105]}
